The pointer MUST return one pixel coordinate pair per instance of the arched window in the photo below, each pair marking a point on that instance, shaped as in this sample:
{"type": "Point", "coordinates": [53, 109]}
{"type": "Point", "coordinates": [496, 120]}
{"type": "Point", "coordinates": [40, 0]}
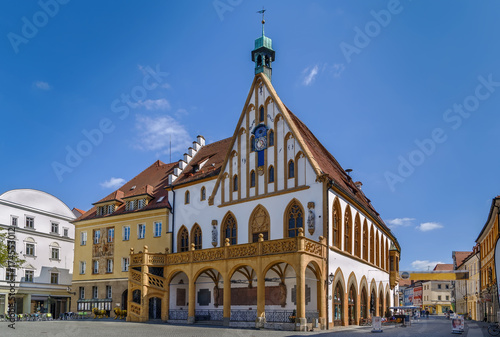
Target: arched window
{"type": "Point", "coordinates": [365, 241]}
{"type": "Point", "coordinates": [252, 178]}
{"type": "Point", "coordinates": [291, 169]}
{"type": "Point", "coordinates": [377, 250]}
{"type": "Point", "coordinates": [373, 302]}
{"type": "Point", "coordinates": [229, 230]}
{"type": "Point", "coordinates": [235, 183]}
{"type": "Point", "coordinates": [382, 253]}
{"type": "Point", "coordinates": [183, 240]}
{"type": "Point", "coordinates": [252, 144]}
{"type": "Point", "coordinates": [294, 218]}
{"type": "Point", "coordinates": [336, 223]}
{"type": "Point", "coordinates": [203, 193]}
{"type": "Point", "coordinates": [387, 301]}
{"type": "Point", "coordinates": [357, 237]}
{"type": "Point", "coordinates": [196, 236]}
{"type": "Point", "coordinates": [270, 176]}
{"type": "Point", "coordinates": [363, 305]}
{"type": "Point", "coordinates": [260, 222]}
{"type": "Point", "coordinates": [381, 304]}
{"type": "Point", "coordinates": [372, 245]}
{"type": "Point", "coordinates": [187, 198]}
{"type": "Point", "coordinates": [270, 141]}
{"type": "Point", "coordinates": [259, 60]}
{"type": "Point", "coordinates": [338, 307]}
{"type": "Point", "coordinates": [347, 230]}
{"type": "Point", "coordinates": [387, 254]}
{"type": "Point", "coordinates": [351, 302]}
{"type": "Point", "coordinates": [261, 114]}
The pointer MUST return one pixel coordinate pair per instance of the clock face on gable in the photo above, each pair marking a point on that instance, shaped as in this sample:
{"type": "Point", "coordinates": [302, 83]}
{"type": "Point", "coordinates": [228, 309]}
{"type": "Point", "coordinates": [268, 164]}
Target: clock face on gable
{"type": "Point", "coordinates": [260, 138]}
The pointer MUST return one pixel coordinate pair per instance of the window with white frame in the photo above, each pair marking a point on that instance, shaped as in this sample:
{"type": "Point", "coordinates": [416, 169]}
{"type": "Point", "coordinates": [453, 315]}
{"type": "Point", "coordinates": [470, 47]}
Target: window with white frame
{"type": "Point", "coordinates": [30, 249]}
{"type": "Point", "coordinates": [141, 231]}
{"type": "Point", "coordinates": [95, 267]}
{"type": "Point", "coordinates": [109, 266]}
{"type": "Point", "coordinates": [54, 253]}
{"type": "Point", "coordinates": [28, 275]}
{"type": "Point", "coordinates": [30, 222]}
{"type": "Point", "coordinates": [13, 220]}
{"type": "Point", "coordinates": [83, 238]}
{"type": "Point", "coordinates": [157, 229]}
{"type": "Point", "coordinates": [109, 293]}
{"type": "Point", "coordinates": [141, 203]}
{"type": "Point", "coordinates": [126, 233]}
{"type": "Point", "coordinates": [82, 293]}
{"type": "Point", "coordinates": [83, 267]}
{"type": "Point", "coordinates": [54, 228]}
{"type": "Point", "coordinates": [97, 236]}
{"type": "Point", "coordinates": [10, 274]}
{"type": "Point", "coordinates": [11, 245]}
{"type": "Point", "coordinates": [66, 232]}
{"type": "Point", "coordinates": [111, 234]}
{"type": "Point", "coordinates": [111, 209]}
{"type": "Point", "coordinates": [54, 278]}
{"type": "Point", "coordinates": [125, 263]}
{"type": "Point", "coordinates": [94, 291]}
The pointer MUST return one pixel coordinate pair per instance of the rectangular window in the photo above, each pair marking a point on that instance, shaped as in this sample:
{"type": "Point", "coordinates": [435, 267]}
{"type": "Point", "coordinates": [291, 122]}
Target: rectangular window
{"type": "Point", "coordinates": [82, 293]}
{"type": "Point", "coordinates": [126, 233]}
{"type": "Point", "coordinates": [447, 298]}
{"type": "Point", "coordinates": [111, 209]}
{"type": "Point", "coordinates": [83, 267]}
{"type": "Point", "coordinates": [65, 232]}
{"type": "Point", "coordinates": [13, 221]}
{"type": "Point", "coordinates": [10, 274]}
{"type": "Point", "coordinates": [54, 228]}
{"type": "Point", "coordinates": [109, 266]}
{"type": "Point", "coordinates": [55, 253]}
{"type": "Point", "coordinates": [111, 234]}
{"type": "Point", "coordinates": [439, 298]}
{"type": "Point", "coordinates": [141, 203]}
{"type": "Point", "coordinates": [439, 286]}
{"type": "Point", "coordinates": [94, 291]}
{"type": "Point", "coordinates": [28, 276]}
{"type": "Point", "coordinates": [97, 236]}
{"type": "Point", "coordinates": [54, 278]}
{"type": "Point", "coordinates": [157, 229]}
{"type": "Point", "coordinates": [30, 249]}
{"type": "Point", "coordinates": [108, 292]}
{"type": "Point", "coordinates": [125, 263]}
{"type": "Point", "coordinates": [83, 238]}
{"type": "Point", "coordinates": [95, 267]}
{"type": "Point", "coordinates": [141, 231]}
{"type": "Point", "coordinates": [447, 286]}
{"type": "Point", "coordinates": [30, 222]}
{"type": "Point", "coordinates": [11, 245]}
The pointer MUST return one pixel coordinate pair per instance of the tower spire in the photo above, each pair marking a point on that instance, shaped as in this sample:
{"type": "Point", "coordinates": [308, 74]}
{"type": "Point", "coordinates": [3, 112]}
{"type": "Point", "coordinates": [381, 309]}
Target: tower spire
{"type": "Point", "coordinates": [263, 54]}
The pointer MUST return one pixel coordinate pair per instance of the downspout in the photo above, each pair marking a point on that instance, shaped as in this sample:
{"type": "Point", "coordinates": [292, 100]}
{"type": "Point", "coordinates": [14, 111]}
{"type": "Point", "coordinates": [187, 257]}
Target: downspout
{"type": "Point", "coordinates": [327, 258]}
{"type": "Point", "coordinates": [173, 218]}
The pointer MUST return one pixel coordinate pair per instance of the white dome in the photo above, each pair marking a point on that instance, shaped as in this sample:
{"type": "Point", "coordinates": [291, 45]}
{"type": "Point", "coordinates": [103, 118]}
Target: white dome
{"type": "Point", "coordinates": [39, 200]}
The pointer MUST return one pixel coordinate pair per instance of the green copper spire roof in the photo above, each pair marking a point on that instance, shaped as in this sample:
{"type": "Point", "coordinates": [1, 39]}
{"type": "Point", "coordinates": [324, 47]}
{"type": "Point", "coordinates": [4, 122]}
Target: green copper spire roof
{"type": "Point", "coordinates": [263, 53]}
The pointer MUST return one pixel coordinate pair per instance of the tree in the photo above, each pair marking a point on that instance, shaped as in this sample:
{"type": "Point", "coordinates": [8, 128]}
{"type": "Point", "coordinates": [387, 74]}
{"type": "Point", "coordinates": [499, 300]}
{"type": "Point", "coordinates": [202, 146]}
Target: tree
{"type": "Point", "coordinates": [9, 258]}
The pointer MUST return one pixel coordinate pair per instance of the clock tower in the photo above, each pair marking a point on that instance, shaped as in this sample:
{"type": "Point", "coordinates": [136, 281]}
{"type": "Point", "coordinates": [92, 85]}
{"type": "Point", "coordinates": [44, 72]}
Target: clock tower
{"type": "Point", "coordinates": [263, 54]}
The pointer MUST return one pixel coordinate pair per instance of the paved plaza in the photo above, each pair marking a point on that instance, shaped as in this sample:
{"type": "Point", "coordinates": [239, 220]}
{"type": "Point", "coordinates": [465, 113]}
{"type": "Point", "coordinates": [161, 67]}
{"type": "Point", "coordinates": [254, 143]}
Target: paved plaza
{"type": "Point", "coordinates": [434, 326]}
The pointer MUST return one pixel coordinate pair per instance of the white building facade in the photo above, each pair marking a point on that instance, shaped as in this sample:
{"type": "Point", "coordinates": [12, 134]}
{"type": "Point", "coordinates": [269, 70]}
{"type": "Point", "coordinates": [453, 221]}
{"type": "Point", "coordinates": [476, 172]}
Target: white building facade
{"type": "Point", "coordinates": [44, 238]}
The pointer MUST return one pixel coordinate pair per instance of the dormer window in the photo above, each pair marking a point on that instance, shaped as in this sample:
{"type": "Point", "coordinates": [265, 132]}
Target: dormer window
{"type": "Point", "coordinates": [196, 168]}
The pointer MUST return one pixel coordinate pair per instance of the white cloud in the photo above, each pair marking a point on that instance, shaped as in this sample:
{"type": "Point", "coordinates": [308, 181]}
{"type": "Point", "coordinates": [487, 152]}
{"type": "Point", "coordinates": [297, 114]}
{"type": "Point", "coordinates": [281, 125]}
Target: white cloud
{"type": "Point", "coordinates": [113, 183]}
{"type": "Point", "coordinates": [155, 134]}
{"type": "Point", "coordinates": [424, 264]}
{"type": "Point", "coordinates": [42, 85]}
{"type": "Point", "coordinates": [429, 226]}
{"type": "Point", "coordinates": [400, 222]}
{"type": "Point", "coordinates": [153, 104]}
{"type": "Point", "coordinates": [310, 75]}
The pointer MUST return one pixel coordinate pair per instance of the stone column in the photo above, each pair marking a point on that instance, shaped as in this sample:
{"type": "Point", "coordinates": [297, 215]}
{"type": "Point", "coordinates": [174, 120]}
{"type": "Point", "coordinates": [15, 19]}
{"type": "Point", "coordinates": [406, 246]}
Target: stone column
{"type": "Point", "coordinates": [227, 301]}
{"type": "Point", "coordinates": [300, 320]}
{"type": "Point", "coordinates": [145, 286]}
{"type": "Point", "coordinates": [321, 302]}
{"type": "Point", "coordinates": [192, 300]}
{"type": "Point", "coordinates": [261, 296]}
{"type": "Point", "coordinates": [27, 304]}
{"type": "Point", "coordinates": [165, 303]}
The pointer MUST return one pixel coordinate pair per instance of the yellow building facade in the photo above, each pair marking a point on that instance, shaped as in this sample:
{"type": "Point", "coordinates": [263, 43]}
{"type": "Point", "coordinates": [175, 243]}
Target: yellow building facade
{"type": "Point", "coordinates": [486, 240]}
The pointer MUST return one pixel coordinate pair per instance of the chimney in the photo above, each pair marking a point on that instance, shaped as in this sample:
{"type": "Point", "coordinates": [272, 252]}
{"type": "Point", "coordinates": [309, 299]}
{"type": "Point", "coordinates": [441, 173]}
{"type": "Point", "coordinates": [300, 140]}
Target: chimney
{"type": "Point", "coordinates": [358, 184]}
{"type": "Point", "coordinates": [187, 158]}
{"type": "Point", "coordinates": [196, 146]}
{"type": "Point", "coordinates": [192, 152]}
{"type": "Point", "coordinates": [171, 179]}
{"type": "Point", "coordinates": [182, 164]}
{"type": "Point", "coordinates": [200, 140]}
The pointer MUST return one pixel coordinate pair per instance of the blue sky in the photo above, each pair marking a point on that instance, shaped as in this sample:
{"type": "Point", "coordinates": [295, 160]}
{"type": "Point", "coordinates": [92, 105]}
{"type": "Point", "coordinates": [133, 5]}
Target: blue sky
{"type": "Point", "coordinates": [404, 93]}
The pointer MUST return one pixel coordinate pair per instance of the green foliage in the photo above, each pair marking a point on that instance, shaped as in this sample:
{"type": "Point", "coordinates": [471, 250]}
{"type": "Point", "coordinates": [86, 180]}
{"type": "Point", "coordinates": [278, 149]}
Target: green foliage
{"type": "Point", "coordinates": [8, 259]}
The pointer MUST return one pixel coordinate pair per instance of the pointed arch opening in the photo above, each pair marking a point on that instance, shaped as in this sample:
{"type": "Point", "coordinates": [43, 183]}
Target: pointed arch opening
{"type": "Point", "coordinates": [270, 140]}
{"type": "Point", "coordinates": [203, 193]}
{"type": "Point", "coordinates": [363, 311]}
{"type": "Point", "coordinates": [291, 169]}
{"type": "Point", "coordinates": [377, 250]}
{"type": "Point", "coordinates": [270, 175]}
{"type": "Point", "coordinates": [336, 223]}
{"type": "Point", "coordinates": [294, 219]}
{"type": "Point", "coordinates": [338, 304]}
{"type": "Point", "coordinates": [196, 236]}
{"type": "Point", "coordinates": [262, 114]}
{"type": "Point", "coordinates": [382, 252]}
{"type": "Point", "coordinates": [357, 236]}
{"type": "Point", "coordinates": [187, 197]}
{"type": "Point", "coordinates": [365, 241]}
{"type": "Point", "coordinates": [229, 229]}
{"type": "Point", "coordinates": [252, 178]}
{"type": "Point", "coordinates": [252, 144]}
{"type": "Point", "coordinates": [347, 230]}
{"type": "Point", "coordinates": [351, 303]}
{"type": "Point", "coordinates": [183, 239]}
{"type": "Point", "coordinates": [235, 183]}
{"type": "Point", "coordinates": [372, 244]}
{"type": "Point", "coordinates": [259, 223]}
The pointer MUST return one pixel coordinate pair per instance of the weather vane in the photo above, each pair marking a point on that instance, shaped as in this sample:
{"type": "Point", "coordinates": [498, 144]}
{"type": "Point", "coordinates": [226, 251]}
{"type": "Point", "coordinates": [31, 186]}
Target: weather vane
{"type": "Point", "coordinates": [263, 21]}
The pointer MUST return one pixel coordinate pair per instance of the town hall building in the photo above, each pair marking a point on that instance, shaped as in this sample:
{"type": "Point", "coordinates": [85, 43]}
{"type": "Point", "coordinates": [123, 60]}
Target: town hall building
{"type": "Point", "coordinates": [262, 229]}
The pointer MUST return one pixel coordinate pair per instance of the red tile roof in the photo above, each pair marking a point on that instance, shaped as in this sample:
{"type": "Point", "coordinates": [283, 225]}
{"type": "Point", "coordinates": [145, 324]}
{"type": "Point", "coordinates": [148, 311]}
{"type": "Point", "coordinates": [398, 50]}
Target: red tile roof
{"type": "Point", "coordinates": [443, 266]}
{"type": "Point", "coordinates": [151, 181]}
{"type": "Point", "coordinates": [404, 283]}
{"type": "Point", "coordinates": [459, 257]}
{"type": "Point", "coordinates": [78, 210]}
{"type": "Point", "coordinates": [211, 156]}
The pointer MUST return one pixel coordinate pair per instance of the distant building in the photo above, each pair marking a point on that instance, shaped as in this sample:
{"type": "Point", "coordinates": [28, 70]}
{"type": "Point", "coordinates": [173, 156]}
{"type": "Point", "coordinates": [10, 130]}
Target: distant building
{"type": "Point", "coordinates": [466, 291]}
{"type": "Point", "coordinates": [486, 240]}
{"type": "Point", "coordinates": [437, 295]}
{"type": "Point", "coordinates": [44, 237]}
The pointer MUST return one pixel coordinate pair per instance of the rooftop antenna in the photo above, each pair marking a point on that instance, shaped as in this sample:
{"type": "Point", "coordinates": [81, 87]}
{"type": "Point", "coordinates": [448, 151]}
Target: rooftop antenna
{"type": "Point", "coordinates": [348, 172]}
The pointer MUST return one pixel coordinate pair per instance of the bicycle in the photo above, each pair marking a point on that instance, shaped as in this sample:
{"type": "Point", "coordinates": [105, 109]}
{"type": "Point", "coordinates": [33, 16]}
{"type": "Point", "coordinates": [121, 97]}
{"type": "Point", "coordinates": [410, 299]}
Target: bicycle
{"type": "Point", "coordinates": [494, 329]}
